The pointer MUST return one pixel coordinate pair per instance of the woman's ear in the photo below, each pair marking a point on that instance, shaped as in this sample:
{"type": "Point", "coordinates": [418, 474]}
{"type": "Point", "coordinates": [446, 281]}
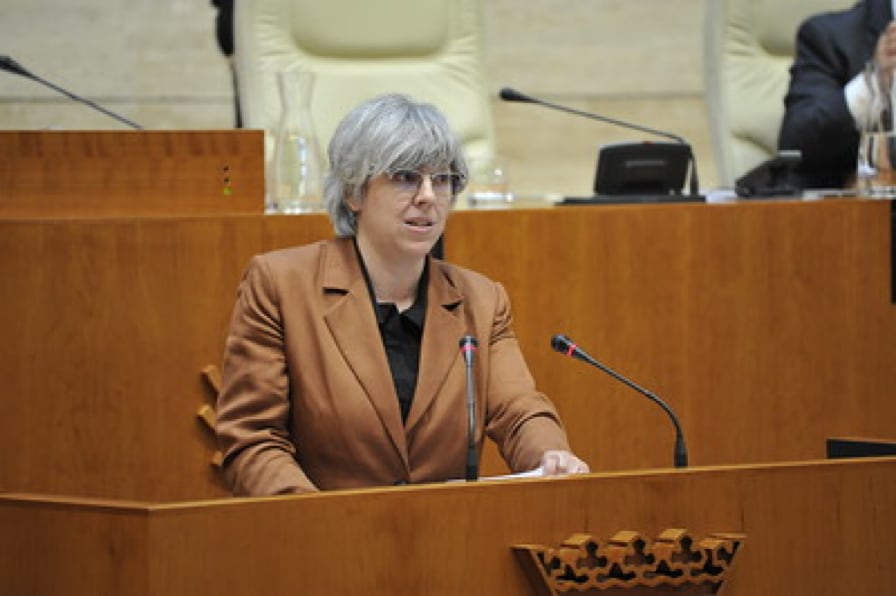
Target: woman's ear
{"type": "Point", "coordinates": [353, 201]}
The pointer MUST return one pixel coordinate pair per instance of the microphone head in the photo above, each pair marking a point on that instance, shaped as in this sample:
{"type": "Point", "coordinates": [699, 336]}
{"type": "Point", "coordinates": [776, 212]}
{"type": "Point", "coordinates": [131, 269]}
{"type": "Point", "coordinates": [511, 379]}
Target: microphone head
{"type": "Point", "coordinates": [468, 341]}
{"type": "Point", "coordinates": [509, 94]}
{"type": "Point", "coordinates": [561, 343]}
{"type": "Point", "coordinates": [10, 65]}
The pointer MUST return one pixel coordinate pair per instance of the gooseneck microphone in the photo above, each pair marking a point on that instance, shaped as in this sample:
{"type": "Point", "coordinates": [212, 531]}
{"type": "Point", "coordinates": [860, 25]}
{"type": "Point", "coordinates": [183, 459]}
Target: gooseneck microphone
{"type": "Point", "coordinates": [468, 346]}
{"type": "Point", "coordinates": [10, 65]}
{"type": "Point", "coordinates": [509, 94]}
{"type": "Point", "coordinates": [564, 345]}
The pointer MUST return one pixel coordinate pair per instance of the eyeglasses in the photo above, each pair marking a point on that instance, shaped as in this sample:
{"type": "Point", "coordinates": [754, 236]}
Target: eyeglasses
{"type": "Point", "coordinates": [408, 182]}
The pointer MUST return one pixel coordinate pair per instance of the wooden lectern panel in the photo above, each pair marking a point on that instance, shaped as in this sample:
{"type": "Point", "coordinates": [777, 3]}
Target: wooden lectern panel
{"type": "Point", "coordinates": [114, 173]}
{"type": "Point", "coordinates": [810, 528]}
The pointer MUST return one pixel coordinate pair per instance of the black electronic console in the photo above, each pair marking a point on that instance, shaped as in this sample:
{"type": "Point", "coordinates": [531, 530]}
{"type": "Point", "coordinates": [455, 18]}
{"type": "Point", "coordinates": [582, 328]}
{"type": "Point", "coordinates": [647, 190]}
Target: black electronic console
{"type": "Point", "coordinates": [643, 172]}
{"type": "Point", "coordinates": [638, 199]}
{"type": "Point", "coordinates": [771, 178]}
{"type": "Point", "coordinates": [842, 447]}
{"type": "Point", "coordinates": [641, 168]}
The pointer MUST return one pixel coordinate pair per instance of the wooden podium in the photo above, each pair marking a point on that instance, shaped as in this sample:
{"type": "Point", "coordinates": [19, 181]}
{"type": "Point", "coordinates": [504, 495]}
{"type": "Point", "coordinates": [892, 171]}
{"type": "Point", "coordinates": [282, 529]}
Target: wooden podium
{"type": "Point", "coordinates": [768, 327]}
{"type": "Point", "coordinates": [810, 528]}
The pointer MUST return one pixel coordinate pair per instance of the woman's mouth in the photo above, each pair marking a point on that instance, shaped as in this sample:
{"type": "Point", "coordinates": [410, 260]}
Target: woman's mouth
{"type": "Point", "coordinates": [422, 223]}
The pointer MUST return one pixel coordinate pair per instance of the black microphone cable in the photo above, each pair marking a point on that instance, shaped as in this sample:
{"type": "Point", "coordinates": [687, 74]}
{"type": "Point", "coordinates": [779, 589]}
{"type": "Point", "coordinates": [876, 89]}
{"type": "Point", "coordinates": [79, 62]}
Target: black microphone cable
{"type": "Point", "coordinates": [564, 345]}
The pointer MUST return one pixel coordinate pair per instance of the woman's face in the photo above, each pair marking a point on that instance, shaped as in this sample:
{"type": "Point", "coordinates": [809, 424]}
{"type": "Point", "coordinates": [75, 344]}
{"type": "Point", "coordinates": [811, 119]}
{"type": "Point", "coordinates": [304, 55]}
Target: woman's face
{"type": "Point", "coordinates": [404, 213]}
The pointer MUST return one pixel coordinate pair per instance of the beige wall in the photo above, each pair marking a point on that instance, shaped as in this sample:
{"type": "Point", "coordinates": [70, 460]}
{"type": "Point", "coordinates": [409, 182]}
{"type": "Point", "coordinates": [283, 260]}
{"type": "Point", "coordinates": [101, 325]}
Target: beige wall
{"type": "Point", "coordinates": [156, 62]}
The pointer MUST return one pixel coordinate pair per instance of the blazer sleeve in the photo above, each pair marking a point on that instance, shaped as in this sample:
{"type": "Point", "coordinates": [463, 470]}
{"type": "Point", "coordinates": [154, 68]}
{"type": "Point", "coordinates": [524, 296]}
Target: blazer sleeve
{"type": "Point", "coordinates": [522, 421]}
{"type": "Point", "coordinates": [253, 405]}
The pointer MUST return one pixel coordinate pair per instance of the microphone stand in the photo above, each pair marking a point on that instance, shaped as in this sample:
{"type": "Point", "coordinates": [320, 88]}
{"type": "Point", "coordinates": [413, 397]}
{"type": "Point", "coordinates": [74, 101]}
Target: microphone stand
{"type": "Point", "coordinates": [564, 345]}
{"type": "Point", "coordinates": [468, 345]}
{"type": "Point", "coordinates": [508, 94]}
{"type": "Point", "coordinates": [10, 65]}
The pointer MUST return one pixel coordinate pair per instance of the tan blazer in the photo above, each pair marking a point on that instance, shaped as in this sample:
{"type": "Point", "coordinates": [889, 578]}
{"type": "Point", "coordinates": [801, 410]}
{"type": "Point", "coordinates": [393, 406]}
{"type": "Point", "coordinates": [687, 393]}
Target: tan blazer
{"type": "Point", "coordinates": [308, 400]}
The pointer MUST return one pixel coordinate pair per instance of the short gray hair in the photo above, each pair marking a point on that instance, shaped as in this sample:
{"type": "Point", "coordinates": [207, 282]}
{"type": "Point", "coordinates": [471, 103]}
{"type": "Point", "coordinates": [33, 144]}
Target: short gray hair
{"type": "Point", "coordinates": [382, 135]}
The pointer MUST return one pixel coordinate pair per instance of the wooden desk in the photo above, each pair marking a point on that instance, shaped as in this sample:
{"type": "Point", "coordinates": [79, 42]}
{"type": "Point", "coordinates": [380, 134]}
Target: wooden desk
{"type": "Point", "coordinates": [108, 173]}
{"type": "Point", "coordinates": [767, 326]}
{"type": "Point", "coordinates": [811, 528]}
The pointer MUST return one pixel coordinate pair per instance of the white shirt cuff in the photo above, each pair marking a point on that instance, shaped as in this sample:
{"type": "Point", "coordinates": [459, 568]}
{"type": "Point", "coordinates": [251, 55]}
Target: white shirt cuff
{"type": "Point", "coordinates": [858, 99]}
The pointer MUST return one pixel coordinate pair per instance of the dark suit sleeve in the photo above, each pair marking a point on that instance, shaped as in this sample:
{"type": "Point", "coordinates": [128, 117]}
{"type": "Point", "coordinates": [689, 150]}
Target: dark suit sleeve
{"type": "Point", "coordinates": [817, 120]}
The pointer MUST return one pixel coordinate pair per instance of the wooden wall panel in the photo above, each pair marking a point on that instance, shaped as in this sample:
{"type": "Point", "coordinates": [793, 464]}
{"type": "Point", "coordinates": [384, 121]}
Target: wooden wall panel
{"type": "Point", "coordinates": [767, 327]}
{"type": "Point", "coordinates": [108, 325]}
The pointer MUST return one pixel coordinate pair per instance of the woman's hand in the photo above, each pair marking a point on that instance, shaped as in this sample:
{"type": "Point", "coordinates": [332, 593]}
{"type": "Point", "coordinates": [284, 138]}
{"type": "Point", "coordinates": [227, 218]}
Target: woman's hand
{"type": "Point", "coordinates": [556, 462]}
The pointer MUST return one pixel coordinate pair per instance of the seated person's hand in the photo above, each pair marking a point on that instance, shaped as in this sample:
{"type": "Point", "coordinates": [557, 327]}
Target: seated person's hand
{"type": "Point", "coordinates": [554, 463]}
{"type": "Point", "coordinates": [885, 54]}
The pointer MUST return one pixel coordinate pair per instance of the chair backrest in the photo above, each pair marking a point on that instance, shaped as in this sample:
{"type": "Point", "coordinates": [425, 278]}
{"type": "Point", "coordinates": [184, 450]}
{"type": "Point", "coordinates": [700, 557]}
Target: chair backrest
{"type": "Point", "coordinates": [429, 49]}
{"type": "Point", "coordinates": [749, 47]}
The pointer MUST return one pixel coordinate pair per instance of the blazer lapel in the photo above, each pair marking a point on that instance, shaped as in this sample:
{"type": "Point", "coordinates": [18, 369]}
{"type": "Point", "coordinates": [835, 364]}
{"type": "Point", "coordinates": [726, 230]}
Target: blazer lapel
{"type": "Point", "coordinates": [350, 317]}
{"type": "Point", "coordinates": [443, 328]}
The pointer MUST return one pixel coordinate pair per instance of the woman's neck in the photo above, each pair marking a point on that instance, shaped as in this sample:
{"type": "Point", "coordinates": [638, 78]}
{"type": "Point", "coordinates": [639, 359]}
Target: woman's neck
{"type": "Point", "coordinates": [393, 281]}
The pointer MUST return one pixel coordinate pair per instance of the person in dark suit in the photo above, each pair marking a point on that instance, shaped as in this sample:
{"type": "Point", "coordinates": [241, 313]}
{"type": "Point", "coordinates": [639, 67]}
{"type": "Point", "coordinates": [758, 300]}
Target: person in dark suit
{"type": "Point", "coordinates": [829, 96]}
{"type": "Point", "coordinates": [224, 37]}
{"type": "Point", "coordinates": [342, 366]}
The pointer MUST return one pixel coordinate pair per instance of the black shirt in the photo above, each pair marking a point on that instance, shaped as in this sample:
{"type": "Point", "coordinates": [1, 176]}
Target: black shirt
{"type": "Point", "coordinates": [401, 333]}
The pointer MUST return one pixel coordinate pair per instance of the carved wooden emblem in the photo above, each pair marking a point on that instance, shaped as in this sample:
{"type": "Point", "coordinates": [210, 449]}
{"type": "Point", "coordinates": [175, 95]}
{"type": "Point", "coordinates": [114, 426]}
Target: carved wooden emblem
{"type": "Point", "coordinates": [206, 412]}
{"type": "Point", "coordinates": [673, 562]}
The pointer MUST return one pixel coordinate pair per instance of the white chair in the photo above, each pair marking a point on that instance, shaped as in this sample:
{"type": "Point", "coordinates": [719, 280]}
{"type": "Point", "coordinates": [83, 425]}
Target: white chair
{"type": "Point", "coordinates": [748, 50]}
{"type": "Point", "coordinates": [429, 49]}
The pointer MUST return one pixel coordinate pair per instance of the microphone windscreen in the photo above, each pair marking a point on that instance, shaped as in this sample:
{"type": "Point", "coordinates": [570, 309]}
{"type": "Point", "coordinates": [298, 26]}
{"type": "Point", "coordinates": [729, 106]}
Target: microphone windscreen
{"type": "Point", "coordinates": [468, 341]}
{"type": "Point", "coordinates": [561, 343]}
{"type": "Point", "coordinates": [508, 94]}
{"type": "Point", "coordinates": [10, 65]}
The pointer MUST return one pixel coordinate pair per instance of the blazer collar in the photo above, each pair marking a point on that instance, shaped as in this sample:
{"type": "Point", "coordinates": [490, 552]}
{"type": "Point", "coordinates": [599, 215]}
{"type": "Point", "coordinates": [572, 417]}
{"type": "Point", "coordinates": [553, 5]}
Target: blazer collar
{"type": "Point", "coordinates": [349, 312]}
{"type": "Point", "coordinates": [439, 348]}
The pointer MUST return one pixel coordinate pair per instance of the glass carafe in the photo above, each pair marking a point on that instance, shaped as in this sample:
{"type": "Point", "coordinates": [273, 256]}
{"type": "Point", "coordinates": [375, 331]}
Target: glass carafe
{"type": "Point", "coordinates": [876, 173]}
{"type": "Point", "coordinates": [296, 165]}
